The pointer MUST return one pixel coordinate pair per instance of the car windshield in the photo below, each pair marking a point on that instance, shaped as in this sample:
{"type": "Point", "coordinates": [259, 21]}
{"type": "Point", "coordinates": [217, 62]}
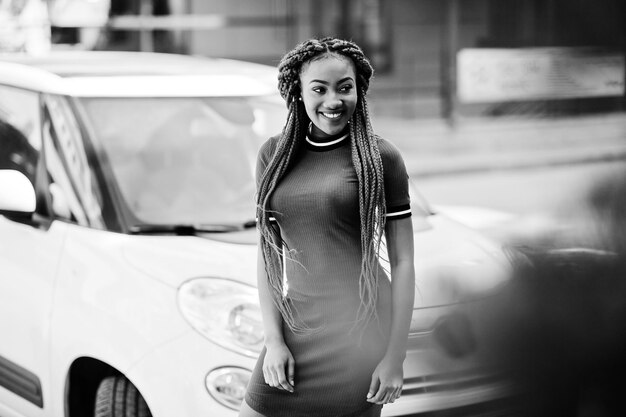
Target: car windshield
{"type": "Point", "coordinates": [183, 160]}
{"type": "Point", "coordinates": [187, 161]}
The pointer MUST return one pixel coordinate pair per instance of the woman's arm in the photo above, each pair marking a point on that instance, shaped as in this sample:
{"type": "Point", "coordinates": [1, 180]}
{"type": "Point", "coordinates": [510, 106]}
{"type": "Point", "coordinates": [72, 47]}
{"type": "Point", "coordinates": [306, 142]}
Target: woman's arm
{"type": "Point", "coordinates": [387, 378]}
{"type": "Point", "coordinates": [278, 365]}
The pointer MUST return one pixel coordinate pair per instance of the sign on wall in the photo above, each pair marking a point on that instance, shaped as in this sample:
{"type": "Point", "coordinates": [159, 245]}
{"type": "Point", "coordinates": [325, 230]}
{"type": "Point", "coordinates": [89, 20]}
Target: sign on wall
{"type": "Point", "coordinates": [488, 75]}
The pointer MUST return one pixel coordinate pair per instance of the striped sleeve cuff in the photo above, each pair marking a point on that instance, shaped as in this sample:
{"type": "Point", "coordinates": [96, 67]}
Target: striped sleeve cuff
{"type": "Point", "coordinates": [398, 212]}
{"type": "Point", "coordinates": [272, 219]}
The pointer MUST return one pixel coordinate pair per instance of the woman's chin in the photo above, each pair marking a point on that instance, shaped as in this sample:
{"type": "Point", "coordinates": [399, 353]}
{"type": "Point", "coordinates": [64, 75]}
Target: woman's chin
{"type": "Point", "coordinates": [330, 129]}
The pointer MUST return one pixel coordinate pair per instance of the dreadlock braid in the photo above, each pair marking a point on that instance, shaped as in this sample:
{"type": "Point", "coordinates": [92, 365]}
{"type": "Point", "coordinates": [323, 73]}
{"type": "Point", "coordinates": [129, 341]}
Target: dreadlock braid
{"type": "Point", "coordinates": [271, 246]}
{"type": "Point", "coordinates": [365, 158]}
{"type": "Point", "coordinates": [368, 165]}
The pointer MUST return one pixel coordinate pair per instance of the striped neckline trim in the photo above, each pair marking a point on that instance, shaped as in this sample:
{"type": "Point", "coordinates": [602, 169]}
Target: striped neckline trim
{"type": "Point", "coordinates": [326, 144]}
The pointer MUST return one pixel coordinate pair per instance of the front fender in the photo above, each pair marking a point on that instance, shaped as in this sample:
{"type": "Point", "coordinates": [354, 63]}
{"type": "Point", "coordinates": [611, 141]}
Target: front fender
{"type": "Point", "coordinates": [105, 309]}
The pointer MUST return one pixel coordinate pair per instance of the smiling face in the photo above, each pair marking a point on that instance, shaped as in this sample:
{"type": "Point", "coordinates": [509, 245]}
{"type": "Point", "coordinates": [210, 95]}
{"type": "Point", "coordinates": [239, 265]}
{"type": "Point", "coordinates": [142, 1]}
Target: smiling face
{"type": "Point", "coordinates": [329, 93]}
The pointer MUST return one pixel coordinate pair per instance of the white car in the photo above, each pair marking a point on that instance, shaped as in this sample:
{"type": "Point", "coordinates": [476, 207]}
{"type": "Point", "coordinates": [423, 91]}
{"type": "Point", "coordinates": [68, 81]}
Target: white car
{"type": "Point", "coordinates": [128, 246]}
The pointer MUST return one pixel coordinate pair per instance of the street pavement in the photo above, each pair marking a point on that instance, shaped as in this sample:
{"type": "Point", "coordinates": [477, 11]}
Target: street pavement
{"type": "Point", "coordinates": [432, 147]}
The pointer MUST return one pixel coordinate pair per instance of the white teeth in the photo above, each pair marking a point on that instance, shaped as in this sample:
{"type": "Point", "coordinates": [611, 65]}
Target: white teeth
{"type": "Point", "coordinates": [332, 115]}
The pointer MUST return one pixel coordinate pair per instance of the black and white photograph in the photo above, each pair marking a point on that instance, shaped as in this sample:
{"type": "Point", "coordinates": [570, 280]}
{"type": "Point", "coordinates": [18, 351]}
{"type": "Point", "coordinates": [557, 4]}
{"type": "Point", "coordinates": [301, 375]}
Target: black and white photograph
{"type": "Point", "coordinates": [312, 208]}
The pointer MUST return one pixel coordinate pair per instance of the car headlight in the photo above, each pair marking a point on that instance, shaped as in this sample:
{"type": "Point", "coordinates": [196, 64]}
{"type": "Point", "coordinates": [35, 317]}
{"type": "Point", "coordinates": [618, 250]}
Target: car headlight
{"type": "Point", "coordinates": [225, 312]}
{"type": "Point", "coordinates": [228, 385]}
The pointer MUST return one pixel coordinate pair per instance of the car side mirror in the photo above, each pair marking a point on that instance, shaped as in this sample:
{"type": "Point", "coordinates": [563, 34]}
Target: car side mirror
{"type": "Point", "coordinates": [17, 194]}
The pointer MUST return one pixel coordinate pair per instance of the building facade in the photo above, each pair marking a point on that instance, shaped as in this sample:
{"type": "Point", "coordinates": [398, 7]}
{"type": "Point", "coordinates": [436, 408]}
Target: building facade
{"type": "Point", "coordinates": [572, 51]}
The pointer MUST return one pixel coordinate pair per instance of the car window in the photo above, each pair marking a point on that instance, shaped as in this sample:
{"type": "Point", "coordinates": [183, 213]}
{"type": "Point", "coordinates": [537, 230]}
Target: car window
{"type": "Point", "coordinates": [75, 196]}
{"type": "Point", "coordinates": [183, 160]}
{"type": "Point", "coordinates": [20, 134]}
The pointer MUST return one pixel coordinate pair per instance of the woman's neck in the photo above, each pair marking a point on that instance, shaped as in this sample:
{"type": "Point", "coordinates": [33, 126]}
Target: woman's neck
{"type": "Point", "coordinates": [318, 136]}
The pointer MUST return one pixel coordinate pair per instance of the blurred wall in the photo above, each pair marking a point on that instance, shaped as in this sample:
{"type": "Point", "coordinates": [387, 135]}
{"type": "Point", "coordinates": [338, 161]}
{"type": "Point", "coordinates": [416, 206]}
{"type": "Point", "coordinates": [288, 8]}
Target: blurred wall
{"type": "Point", "coordinates": [405, 36]}
{"type": "Point", "coordinates": [412, 43]}
{"type": "Point", "coordinates": [257, 30]}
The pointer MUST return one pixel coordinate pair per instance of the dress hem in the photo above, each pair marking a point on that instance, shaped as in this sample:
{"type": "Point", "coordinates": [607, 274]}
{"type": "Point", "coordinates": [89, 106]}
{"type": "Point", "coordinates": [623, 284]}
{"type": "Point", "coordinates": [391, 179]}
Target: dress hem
{"type": "Point", "coordinates": [254, 404]}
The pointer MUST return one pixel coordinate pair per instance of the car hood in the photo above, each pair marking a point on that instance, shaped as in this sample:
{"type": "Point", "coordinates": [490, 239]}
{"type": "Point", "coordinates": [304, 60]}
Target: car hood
{"type": "Point", "coordinates": [453, 263]}
{"type": "Point", "coordinates": [456, 264]}
{"type": "Point", "coordinates": [176, 259]}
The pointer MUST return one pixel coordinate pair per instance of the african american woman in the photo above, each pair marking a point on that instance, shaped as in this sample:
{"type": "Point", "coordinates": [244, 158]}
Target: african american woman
{"type": "Point", "coordinates": [332, 208]}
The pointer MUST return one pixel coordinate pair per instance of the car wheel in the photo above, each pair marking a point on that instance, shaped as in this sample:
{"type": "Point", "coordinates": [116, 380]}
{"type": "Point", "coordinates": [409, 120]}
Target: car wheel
{"type": "Point", "coordinates": [117, 397]}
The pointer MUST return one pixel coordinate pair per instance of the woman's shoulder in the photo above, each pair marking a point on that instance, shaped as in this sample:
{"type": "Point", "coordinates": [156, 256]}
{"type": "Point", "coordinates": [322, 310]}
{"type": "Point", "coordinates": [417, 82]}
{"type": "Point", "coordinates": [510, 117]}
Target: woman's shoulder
{"type": "Point", "coordinates": [389, 152]}
{"type": "Point", "coordinates": [269, 146]}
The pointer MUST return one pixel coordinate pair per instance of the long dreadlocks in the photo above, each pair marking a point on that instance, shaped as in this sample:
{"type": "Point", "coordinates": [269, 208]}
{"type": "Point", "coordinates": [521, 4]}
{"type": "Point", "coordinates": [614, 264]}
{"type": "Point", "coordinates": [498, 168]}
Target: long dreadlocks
{"type": "Point", "coordinates": [365, 158]}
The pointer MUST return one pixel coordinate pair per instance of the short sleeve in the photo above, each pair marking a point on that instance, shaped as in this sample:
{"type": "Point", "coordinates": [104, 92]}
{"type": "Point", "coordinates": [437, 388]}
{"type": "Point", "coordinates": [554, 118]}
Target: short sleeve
{"type": "Point", "coordinates": [263, 159]}
{"type": "Point", "coordinates": [397, 197]}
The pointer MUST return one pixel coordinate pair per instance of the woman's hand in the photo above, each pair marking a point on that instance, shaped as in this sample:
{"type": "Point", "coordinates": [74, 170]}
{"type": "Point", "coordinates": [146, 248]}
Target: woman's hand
{"type": "Point", "coordinates": [279, 367]}
{"type": "Point", "coordinates": [387, 379]}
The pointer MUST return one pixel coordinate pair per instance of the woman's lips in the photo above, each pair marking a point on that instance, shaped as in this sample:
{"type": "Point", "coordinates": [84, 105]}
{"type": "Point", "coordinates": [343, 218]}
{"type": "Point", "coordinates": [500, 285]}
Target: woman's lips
{"type": "Point", "coordinates": [331, 115]}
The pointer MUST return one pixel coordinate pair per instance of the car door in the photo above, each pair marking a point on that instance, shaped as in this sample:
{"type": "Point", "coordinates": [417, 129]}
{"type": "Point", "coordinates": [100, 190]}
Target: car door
{"type": "Point", "coordinates": [29, 254]}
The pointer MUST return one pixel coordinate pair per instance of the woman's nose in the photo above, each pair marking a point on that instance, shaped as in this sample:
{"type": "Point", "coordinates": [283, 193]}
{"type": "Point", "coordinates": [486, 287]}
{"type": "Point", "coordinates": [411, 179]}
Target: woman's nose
{"type": "Point", "coordinates": [332, 102]}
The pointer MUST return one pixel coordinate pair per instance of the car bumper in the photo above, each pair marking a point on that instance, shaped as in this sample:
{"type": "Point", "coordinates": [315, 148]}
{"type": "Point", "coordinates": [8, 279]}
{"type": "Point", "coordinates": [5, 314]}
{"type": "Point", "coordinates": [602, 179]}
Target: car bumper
{"type": "Point", "coordinates": [172, 380]}
{"type": "Point", "coordinates": [172, 377]}
{"type": "Point", "coordinates": [454, 363]}
{"type": "Point", "coordinates": [448, 391]}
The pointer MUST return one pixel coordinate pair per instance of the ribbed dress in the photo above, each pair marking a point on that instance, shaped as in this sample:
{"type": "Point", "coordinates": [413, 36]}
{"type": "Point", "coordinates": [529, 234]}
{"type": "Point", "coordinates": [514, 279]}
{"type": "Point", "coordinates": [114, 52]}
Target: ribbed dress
{"type": "Point", "coordinates": [316, 207]}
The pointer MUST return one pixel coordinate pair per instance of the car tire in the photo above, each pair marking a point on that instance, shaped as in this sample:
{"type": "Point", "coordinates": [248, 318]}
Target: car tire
{"type": "Point", "coordinates": [117, 397]}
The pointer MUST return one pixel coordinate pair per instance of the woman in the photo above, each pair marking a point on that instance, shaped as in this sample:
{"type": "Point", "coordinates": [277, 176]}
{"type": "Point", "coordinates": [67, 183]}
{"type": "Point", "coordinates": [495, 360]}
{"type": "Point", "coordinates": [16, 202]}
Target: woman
{"type": "Point", "coordinates": [328, 189]}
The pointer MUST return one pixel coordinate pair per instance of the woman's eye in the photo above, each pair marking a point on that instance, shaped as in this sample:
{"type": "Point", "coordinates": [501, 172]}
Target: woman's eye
{"type": "Point", "coordinates": [319, 90]}
{"type": "Point", "coordinates": [346, 88]}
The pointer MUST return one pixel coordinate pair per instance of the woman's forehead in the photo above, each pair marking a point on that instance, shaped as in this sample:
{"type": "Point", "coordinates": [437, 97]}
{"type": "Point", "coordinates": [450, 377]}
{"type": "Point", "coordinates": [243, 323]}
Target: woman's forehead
{"type": "Point", "coordinates": [328, 65]}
